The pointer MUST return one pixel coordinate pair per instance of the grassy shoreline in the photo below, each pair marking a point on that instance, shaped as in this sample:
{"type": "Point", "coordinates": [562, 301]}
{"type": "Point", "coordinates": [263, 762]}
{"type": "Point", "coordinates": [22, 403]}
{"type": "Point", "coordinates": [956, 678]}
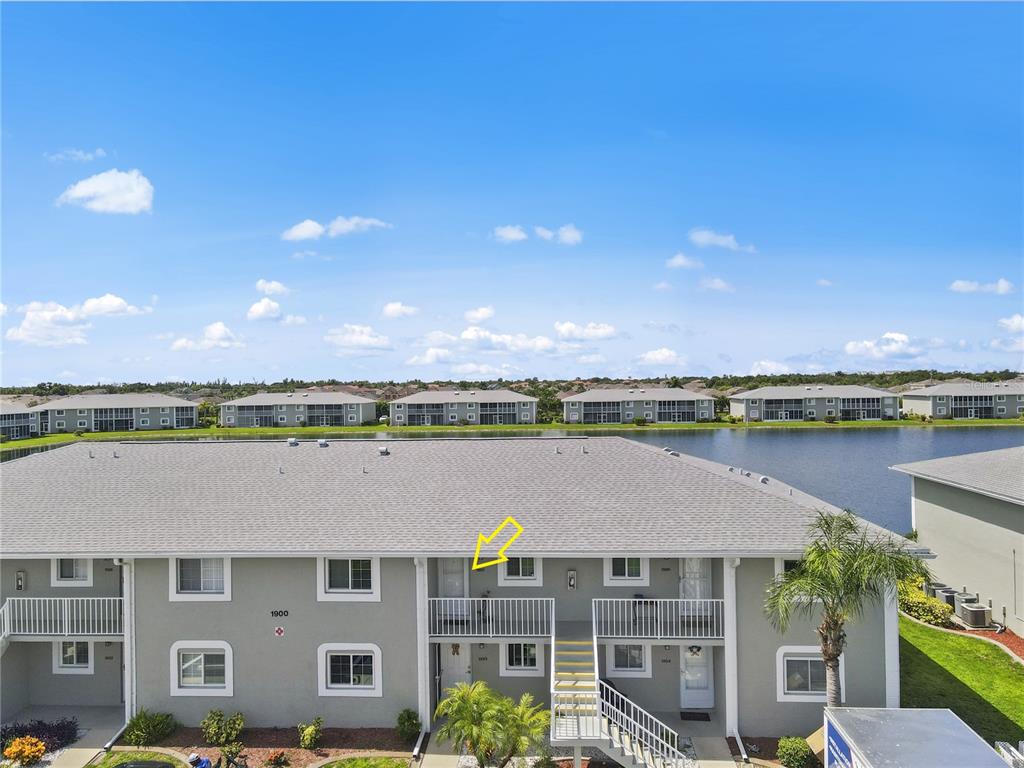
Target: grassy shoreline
{"type": "Point", "coordinates": [313, 432]}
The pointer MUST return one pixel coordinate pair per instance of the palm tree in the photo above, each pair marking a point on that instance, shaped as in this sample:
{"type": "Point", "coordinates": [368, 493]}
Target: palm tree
{"type": "Point", "coordinates": [843, 569]}
{"type": "Point", "coordinates": [524, 725]}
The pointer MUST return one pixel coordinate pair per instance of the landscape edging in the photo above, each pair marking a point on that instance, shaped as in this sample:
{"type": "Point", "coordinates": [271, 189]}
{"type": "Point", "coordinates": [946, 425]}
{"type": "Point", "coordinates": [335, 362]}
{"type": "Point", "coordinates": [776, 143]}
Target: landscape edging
{"type": "Point", "coordinates": [996, 643]}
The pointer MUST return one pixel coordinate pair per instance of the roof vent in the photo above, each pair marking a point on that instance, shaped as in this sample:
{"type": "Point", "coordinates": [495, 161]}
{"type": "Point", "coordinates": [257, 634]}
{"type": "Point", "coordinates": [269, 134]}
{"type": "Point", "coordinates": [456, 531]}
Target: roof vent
{"type": "Point", "coordinates": [642, 391]}
{"type": "Point", "coordinates": [763, 479]}
{"type": "Point", "coordinates": [115, 454]}
{"type": "Point", "coordinates": [322, 442]}
{"type": "Point", "coordinates": [305, 394]}
{"type": "Point", "coordinates": [631, 391]}
{"type": "Point", "coordinates": [91, 455]}
{"type": "Point", "coordinates": [383, 450]}
{"type": "Point", "coordinates": [456, 393]}
{"type": "Point", "coordinates": [745, 472]}
{"type": "Point", "coordinates": [673, 453]}
{"type": "Point", "coordinates": [289, 394]}
{"type": "Point", "coordinates": [583, 449]}
{"type": "Point", "coordinates": [732, 469]}
{"type": "Point", "coordinates": [808, 389]}
{"type": "Point", "coordinates": [473, 392]}
{"type": "Point", "coordinates": [293, 441]}
{"type": "Point", "coordinates": [820, 387]}
{"type": "Point", "coordinates": [280, 469]}
{"type": "Point", "coordinates": [666, 449]}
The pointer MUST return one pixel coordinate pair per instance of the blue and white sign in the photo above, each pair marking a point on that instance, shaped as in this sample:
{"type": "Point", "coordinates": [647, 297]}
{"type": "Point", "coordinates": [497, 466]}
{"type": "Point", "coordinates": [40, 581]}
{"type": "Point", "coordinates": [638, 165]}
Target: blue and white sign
{"type": "Point", "coordinates": [837, 751]}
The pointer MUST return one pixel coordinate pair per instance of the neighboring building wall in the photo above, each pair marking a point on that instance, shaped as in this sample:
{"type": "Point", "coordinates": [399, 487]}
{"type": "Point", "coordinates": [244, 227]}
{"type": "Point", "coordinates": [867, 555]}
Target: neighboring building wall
{"type": "Point", "coordinates": [19, 424]}
{"type": "Point", "coordinates": [978, 542]}
{"type": "Point", "coordinates": [738, 408]}
{"type": "Point", "coordinates": [144, 418]}
{"type": "Point", "coordinates": [920, 405]}
{"type": "Point", "coordinates": [102, 687]}
{"type": "Point", "coordinates": [625, 411]}
{"type": "Point", "coordinates": [106, 580]}
{"type": "Point", "coordinates": [292, 414]}
{"type": "Point", "coordinates": [455, 412]}
{"type": "Point", "coordinates": [14, 680]}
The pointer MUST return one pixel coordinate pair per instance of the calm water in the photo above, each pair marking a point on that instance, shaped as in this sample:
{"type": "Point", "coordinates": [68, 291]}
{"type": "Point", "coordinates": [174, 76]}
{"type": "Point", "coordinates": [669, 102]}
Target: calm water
{"type": "Point", "coordinates": [847, 467]}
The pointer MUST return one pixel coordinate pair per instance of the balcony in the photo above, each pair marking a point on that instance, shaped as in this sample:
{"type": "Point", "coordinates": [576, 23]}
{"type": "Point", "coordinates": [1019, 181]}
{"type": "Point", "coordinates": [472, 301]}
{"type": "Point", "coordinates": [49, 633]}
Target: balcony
{"type": "Point", "coordinates": [62, 616]}
{"type": "Point", "coordinates": [491, 616]}
{"type": "Point", "coordinates": [660, 619]}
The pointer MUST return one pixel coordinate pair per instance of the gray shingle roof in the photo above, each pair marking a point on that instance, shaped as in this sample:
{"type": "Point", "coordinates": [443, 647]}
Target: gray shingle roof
{"type": "Point", "coordinates": [429, 497]}
{"type": "Point", "coordinates": [969, 388]}
{"type": "Point", "coordinates": [811, 390]}
{"type": "Point", "coordinates": [8, 406]}
{"type": "Point", "coordinates": [992, 473]}
{"type": "Point", "coordinates": [645, 393]}
{"type": "Point", "coordinates": [466, 395]}
{"type": "Point", "coordinates": [125, 400]}
{"type": "Point", "coordinates": [298, 398]}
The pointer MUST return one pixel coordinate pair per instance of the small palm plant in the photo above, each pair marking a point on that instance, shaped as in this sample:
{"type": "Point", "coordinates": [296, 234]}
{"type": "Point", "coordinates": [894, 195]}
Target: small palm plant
{"type": "Point", "coordinates": [495, 729]}
{"type": "Point", "coordinates": [842, 571]}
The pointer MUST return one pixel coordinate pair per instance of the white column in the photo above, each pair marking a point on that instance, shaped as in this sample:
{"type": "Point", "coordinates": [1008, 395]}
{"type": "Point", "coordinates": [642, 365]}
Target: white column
{"type": "Point", "coordinates": [732, 687]}
{"type": "Point", "coordinates": [422, 643]}
{"type": "Point", "coordinates": [892, 650]}
{"type": "Point", "coordinates": [128, 641]}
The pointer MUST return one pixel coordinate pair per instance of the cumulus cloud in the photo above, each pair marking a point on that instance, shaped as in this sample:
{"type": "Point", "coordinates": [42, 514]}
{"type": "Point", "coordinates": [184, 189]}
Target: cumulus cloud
{"type": "Point", "coordinates": [590, 359]}
{"type": "Point", "coordinates": [294, 320]}
{"type": "Point", "coordinates": [1002, 286]}
{"type": "Point", "coordinates": [824, 282]}
{"type": "Point", "coordinates": [436, 339]}
{"type": "Point", "coordinates": [716, 284]}
{"type": "Point", "coordinates": [682, 261]}
{"type": "Point", "coordinates": [509, 233]}
{"type": "Point", "coordinates": [570, 235]}
{"type": "Point", "coordinates": [270, 287]}
{"type": "Point", "coordinates": [588, 332]}
{"type": "Point", "coordinates": [307, 229]}
{"type": "Point", "coordinates": [215, 336]}
{"type": "Point", "coordinates": [478, 315]}
{"type": "Point", "coordinates": [891, 346]}
{"type": "Point", "coordinates": [704, 238]}
{"type": "Point", "coordinates": [662, 356]}
{"type": "Point", "coordinates": [768, 368]}
{"type": "Point", "coordinates": [544, 233]}
{"type": "Point", "coordinates": [429, 356]}
{"type": "Point", "coordinates": [352, 339]}
{"type": "Point", "coordinates": [663, 286]}
{"type": "Point", "coordinates": [50, 324]}
{"type": "Point", "coordinates": [509, 342]}
{"type": "Point", "coordinates": [483, 370]}
{"type": "Point", "coordinates": [112, 191]}
{"type": "Point", "coordinates": [398, 309]}
{"type": "Point", "coordinates": [75, 155]}
{"type": "Point", "coordinates": [341, 225]}
{"type": "Point", "coordinates": [109, 304]}
{"type": "Point", "coordinates": [3, 309]}
{"type": "Point", "coordinates": [264, 309]}
{"type": "Point", "coordinates": [654, 325]}
{"type": "Point", "coordinates": [1013, 323]}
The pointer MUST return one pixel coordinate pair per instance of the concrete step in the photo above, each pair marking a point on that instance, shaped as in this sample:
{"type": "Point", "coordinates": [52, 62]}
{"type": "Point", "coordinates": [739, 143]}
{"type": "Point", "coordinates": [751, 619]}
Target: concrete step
{"type": "Point", "coordinates": [560, 663]}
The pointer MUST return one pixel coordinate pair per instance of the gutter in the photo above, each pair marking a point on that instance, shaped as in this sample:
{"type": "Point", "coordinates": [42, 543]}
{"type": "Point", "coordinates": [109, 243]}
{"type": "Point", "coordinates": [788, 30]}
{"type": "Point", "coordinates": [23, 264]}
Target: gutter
{"type": "Point", "coordinates": [739, 743]}
{"type": "Point", "coordinates": [113, 739]}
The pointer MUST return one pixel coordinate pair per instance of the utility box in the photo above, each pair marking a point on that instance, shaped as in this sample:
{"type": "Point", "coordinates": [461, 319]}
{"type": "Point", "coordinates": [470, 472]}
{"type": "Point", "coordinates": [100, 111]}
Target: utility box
{"type": "Point", "coordinates": [903, 738]}
{"type": "Point", "coordinates": [975, 615]}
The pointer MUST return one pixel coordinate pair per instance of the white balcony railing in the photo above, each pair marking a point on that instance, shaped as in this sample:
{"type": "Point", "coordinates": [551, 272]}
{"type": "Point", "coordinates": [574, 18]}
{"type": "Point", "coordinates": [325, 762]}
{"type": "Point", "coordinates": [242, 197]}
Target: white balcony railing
{"type": "Point", "coordinates": [491, 616]}
{"type": "Point", "coordinates": [660, 618]}
{"type": "Point", "coordinates": [62, 616]}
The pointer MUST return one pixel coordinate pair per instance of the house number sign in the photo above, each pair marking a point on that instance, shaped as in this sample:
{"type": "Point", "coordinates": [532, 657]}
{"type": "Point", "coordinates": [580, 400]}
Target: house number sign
{"type": "Point", "coordinates": [278, 614]}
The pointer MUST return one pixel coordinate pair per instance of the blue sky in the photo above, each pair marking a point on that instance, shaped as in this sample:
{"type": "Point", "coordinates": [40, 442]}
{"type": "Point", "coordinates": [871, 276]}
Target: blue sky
{"type": "Point", "coordinates": [518, 190]}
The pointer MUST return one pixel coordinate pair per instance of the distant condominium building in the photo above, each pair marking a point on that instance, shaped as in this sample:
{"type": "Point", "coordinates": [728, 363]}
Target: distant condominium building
{"type": "Point", "coordinates": [815, 402]}
{"type": "Point", "coordinates": [967, 400]}
{"type": "Point", "coordinates": [617, 406]}
{"type": "Point", "coordinates": [117, 413]}
{"type": "Point", "coordinates": [292, 409]}
{"type": "Point", "coordinates": [18, 420]}
{"type": "Point", "coordinates": [484, 406]}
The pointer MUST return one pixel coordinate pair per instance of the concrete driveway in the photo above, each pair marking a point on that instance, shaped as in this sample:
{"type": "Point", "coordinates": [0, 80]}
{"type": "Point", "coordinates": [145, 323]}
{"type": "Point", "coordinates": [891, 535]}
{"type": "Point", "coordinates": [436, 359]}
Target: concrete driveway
{"type": "Point", "coordinates": [96, 726]}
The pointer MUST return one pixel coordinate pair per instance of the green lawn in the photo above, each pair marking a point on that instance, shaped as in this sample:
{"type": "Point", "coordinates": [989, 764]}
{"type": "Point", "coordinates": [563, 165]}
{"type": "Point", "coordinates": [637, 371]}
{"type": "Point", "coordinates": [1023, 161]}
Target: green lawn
{"type": "Point", "coordinates": [282, 432]}
{"type": "Point", "coordinates": [370, 762]}
{"type": "Point", "coordinates": [116, 757]}
{"type": "Point", "coordinates": [978, 681]}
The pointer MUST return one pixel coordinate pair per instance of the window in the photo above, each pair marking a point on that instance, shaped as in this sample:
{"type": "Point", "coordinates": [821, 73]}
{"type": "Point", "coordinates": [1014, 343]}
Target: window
{"type": "Point", "coordinates": [282, 419]}
{"type": "Point", "coordinates": [145, 422]}
{"type": "Point", "coordinates": [470, 416]}
{"type": "Point", "coordinates": [1000, 398]}
{"type": "Point", "coordinates": [229, 407]}
{"type": "Point", "coordinates": [82, 423]}
{"type": "Point", "coordinates": [231, 420]}
{"type": "Point", "coordinates": [399, 406]}
{"type": "Point", "coordinates": [648, 403]}
{"type": "Point", "coordinates": [453, 417]}
{"type": "Point", "coordinates": [811, 413]}
{"type": "Point", "coordinates": [941, 399]}
{"type": "Point", "coordinates": [629, 414]}
{"type": "Point", "coordinates": [629, 660]}
{"type": "Point", "coordinates": [626, 571]}
{"type": "Point", "coordinates": [574, 404]}
{"type": "Point", "coordinates": [351, 417]}
{"type": "Point", "coordinates": [59, 425]}
{"type": "Point", "coordinates": [72, 657]}
{"type": "Point", "coordinates": [70, 572]}
{"type": "Point", "coordinates": [60, 413]}
{"type": "Point", "coordinates": [200, 578]}
{"type": "Point", "coordinates": [753, 402]}
{"type": "Point", "coordinates": [629, 403]}
{"type": "Point", "coordinates": [146, 410]}
{"type": "Point", "coordinates": [299, 407]}
{"type": "Point", "coordinates": [349, 669]}
{"type": "Point", "coordinates": [352, 580]}
{"type": "Point", "coordinates": [524, 405]}
{"type": "Point", "coordinates": [282, 407]}
{"type": "Point", "coordinates": [648, 415]}
{"type": "Point", "coordinates": [201, 668]}
{"type": "Point", "coordinates": [810, 401]}
{"type": "Point", "coordinates": [521, 572]}
{"type": "Point", "coordinates": [830, 401]}
{"type": "Point", "coordinates": [800, 673]}
{"type": "Point", "coordinates": [471, 406]}
{"type": "Point", "coordinates": [165, 422]}
{"type": "Point", "coordinates": [830, 412]}
{"type": "Point", "coordinates": [351, 406]}
{"type": "Point", "coordinates": [940, 411]}
{"type": "Point", "coordinates": [1001, 409]}
{"type": "Point", "coordinates": [163, 410]}
{"type": "Point", "coordinates": [399, 417]}
{"type": "Point", "coordinates": [82, 412]}
{"type": "Point", "coordinates": [522, 660]}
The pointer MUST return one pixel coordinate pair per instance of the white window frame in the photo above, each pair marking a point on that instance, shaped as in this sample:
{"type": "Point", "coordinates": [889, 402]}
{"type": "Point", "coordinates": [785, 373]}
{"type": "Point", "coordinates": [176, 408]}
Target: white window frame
{"type": "Point", "coordinates": [471, 406]}
{"type": "Point", "coordinates": [940, 399]}
{"type": "Point", "coordinates": [282, 407]}
{"type": "Point", "coordinates": [143, 422]}
{"type": "Point", "coordinates": [83, 412]}
{"type": "Point", "coordinates": [610, 670]}
{"type": "Point", "coordinates": [755, 401]}
{"type": "Point", "coordinates": [453, 417]}
{"type": "Point", "coordinates": [524, 405]}
{"type": "Point", "coordinates": [830, 401]}
{"type": "Point", "coordinates": [399, 406]}
{"type": "Point", "coordinates": [78, 669]}
{"type": "Point", "coordinates": [351, 406]}
{"type": "Point", "coordinates": [82, 424]}
{"type": "Point", "coordinates": [1000, 398]}
{"type": "Point", "coordinates": [643, 580]}
{"type": "Point", "coordinates": [230, 407]}
{"type": "Point", "coordinates": [507, 671]}
{"type": "Point", "coordinates": [324, 595]}
{"type": "Point", "coordinates": [648, 415]}
{"type": "Point", "coordinates": [56, 581]}
{"type": "Point", "coordinates": [628, 403]}
{"type": "Point", "coordinates": [399, 417]}
{"type": "Point", "coordinates": [940, 411]}
{"type": "Point", "coordinates": [1000, 409]}
{"type": "Point", "coordinates": [351, 417]}
{"type": "Point", "coordinates": [703, 414]}
{"type": "Point", "coordinates": [830, 412]}
{"type": "Point", "coordinates": [300, 407]}
{"type": "Point", "coordinates": [811, 412]}
{"type": "Point", "coordinates": [574, 404]}
{"type": "Point", "coordinates": [182, 597]}
{"type": "Point", "coordinates": [537, 580]}
{"type": "Point", "coordinates": [648, 403]}
{"type": "Point", "coordinates": [227, 690]}
{"type": "Point", "coordinates": [231, 420]}
{"type": "Point", "coordinates": [810, 401]}
{"type": "Point", "coordinates": [282, 419]}
{"type": "Point", "coordinates": [58, 413]}
{"type": "Point", "coordinates": [58, 425]}
{"type": "Point", "coordinates": [471, 416]}
{"type": "Point", "coordinates": [164, 422]}
{"type": "Point", "coordinates": [629, 414]}
{"type": "Point", "coordinates": [143, 410]}
{"type": "Point", "coordinates": [323, 689]}
{"type": "Point", "coordinates": [164, 410]}
{"type": "Point", "coordinates": [803, 652]}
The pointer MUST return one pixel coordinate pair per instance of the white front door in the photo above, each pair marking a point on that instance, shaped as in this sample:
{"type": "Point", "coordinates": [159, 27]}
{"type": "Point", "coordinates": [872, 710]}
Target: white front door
{"type": "Point", "coordinates": [696, 677]}
{"type": "Point", "coordinates": [455, 666]}
{"type": "Point", "coordinates": [694, 583]}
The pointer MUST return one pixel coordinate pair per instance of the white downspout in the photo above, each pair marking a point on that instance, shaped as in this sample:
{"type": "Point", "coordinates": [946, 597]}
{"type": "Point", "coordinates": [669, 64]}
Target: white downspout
{"type": "Point", "coordinates": [892, 650]}
{"type": "Point", "coordinates": [422, 643]}
{"type": "Point", "coordinates": [731, 652]}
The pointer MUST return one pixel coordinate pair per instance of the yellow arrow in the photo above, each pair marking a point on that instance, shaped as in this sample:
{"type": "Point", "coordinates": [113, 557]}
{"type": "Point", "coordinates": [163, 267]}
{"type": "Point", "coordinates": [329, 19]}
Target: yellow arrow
{"type": "Point", "coordinates": [481, 540]}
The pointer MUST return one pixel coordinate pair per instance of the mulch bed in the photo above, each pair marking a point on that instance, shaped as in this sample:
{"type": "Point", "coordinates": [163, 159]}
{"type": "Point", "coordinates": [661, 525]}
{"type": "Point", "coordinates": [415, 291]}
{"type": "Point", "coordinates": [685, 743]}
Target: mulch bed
{"type": "Point", "coordinates": [1014, 642]}
{"type": "Point", "coordinates": [765, 745]}
{"type": "Point", "coordinates": [261, 742]}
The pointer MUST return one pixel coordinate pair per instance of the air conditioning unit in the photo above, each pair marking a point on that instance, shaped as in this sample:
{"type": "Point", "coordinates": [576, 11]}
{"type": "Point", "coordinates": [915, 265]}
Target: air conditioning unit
{"type": "Point", "coordinates": [960, 599]}
{"type": "Point", "coordinates": [975, 615]}
{"type": "Point", "coordinates": [932, 587]}
{"type": "Point", "coordinates": [946, 595]}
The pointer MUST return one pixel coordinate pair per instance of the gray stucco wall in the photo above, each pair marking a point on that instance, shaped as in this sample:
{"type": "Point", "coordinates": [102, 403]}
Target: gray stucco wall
{"type": "Point", "coordinates": [486, 666]}
{"type": "Point", "coordinates": [296, 413]}
{"type": "Point", "coordinates": [978, 542]}
{"type": "Point", "coordinates": [14, 672]}
{"type": "Point", "coordinates": [462, 410]}
{"type": "Point", "coordinates": [920, 404]}
{"type": "Point", "coordinates": [27, 677]}
{"type": "Point", "coordinates": [145, 418]}
{"type": "Point", "coordinates": [106, 580]}
{"type": "Point", "coordinates": [760, 712]}
{"type": "Point", "coordinates": [275, 678]}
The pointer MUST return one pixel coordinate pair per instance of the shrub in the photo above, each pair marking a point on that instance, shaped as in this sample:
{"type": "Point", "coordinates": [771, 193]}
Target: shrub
{"type": "Point", "coordinates": [309, 735]}
{"type": "Point", "coordinates": [916, 603]}
{"type": "Point", "coordinates": [277, 759]}
{"type": "Point", "coordinates": [830, 419]}
{"type": "Point", "coordinates": [640, 421]}
{"type": "Point", "coordinates": [409, 725]}
{"type": "Point", "coordinates": [25, 750]}
{"type": "Point", "coordinates": [147, 728]}
{"type": "Point", "coordinates": [231, 750]}
{"type": "Point", "coordinates": [78, 433]}
{"type": "Point", "coordinates": [794, 752]}
{"type": "Point", "coordinates": [57, 733]}
{"type": "Point", "coordinates": [219, 731]}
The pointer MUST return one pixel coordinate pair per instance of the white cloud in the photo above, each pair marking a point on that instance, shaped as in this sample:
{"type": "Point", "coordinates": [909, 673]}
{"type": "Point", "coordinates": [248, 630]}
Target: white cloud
{"type": "Point", "coordinates": [307, 229]}
{"type": "Point", "coordinates": [662, 327]}
{"type": "Point", "coordinates": [590, 359]}
{"type": "Point", "coordinates": [430, 356]}
{"type": "Point", "coordinates": [1013, 323]}
{"type": "Point", "coordinates": [590, 331]}
{"type": "Point", "coordinates": [703, 238]}
{"type": "Point", "coordinates": [663, 287]}
{"type": "Point", "coordinates": [478, 315]}
{"type": "Point", "coordinates": [768, 368]}
{"type": "Point", "coordinates": [398, 309]}
{"type": "Point", "coordinates": [109, 304]}
{"type": "Point", "coordinates": [891, 346]}
{"type": "Point", "coordinates": [270, 287]}
{"type": "Point", "coordinates": [716, 284]}
{"type": "Point", "coordinates": [1002, 286]}
{"type": "Point", "coordinates": [543, 233]}
{"type": "Point", "coordinates": [824, 282]}
{"type": "Point", "coordinates": [482, 370]}
{"type": "Point", "coordinates": [662, 356]}
{"type": "Point", "coordinates": [352, 339]}
{"type": "Point", "coordinates": [112, 191]}
{"type": "Point", "coordinates": [1007, 345]}
{"type": "Point", "coordinates": [682, 261]}
{"type": "Point", "coordinates": [509, 233]}
{"type": "Point", "coordinates": [215, 336]}
{"type": "Point", "coordinates": [302, 255]}
{"type": "Point", "coordinates": [341, 226]}
{"type": "Point", "coordinates": [294, 320]}
{"type": "Point", "coordinates": [3, 309]}
{"type": "Point", "coordinates": [436, 339]}
{"type": "Point", "coordinates": [264, 309]}
{"type": "Point", "coordinates": [75, 155]}
{"type": "Point", "coordinates": [510, 342]}
{"type": "Point", "coordinates": [570, 235]}
{"type": "Point", "coordinates": [50, 324]}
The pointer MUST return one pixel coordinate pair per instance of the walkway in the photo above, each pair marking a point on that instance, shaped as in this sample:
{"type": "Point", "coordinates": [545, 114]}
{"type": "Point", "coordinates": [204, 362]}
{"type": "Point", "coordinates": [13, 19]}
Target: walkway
{"type": "Point", "coordinates": [96, 726]}
{"type": "Point", "coordinates": [439, 754]}
{"type": "Point", "coordinates": [713, 752]}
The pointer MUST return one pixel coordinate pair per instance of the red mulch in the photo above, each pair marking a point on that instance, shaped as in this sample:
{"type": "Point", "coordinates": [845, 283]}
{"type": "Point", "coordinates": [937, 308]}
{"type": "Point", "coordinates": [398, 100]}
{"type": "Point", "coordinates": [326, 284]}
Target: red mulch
{"type": "Point", "coordinates": [1014, 642]}
{"type": "Point", "coordinates": [766, 746]}
{"type": "Point", "coordinates": [261, 742]}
